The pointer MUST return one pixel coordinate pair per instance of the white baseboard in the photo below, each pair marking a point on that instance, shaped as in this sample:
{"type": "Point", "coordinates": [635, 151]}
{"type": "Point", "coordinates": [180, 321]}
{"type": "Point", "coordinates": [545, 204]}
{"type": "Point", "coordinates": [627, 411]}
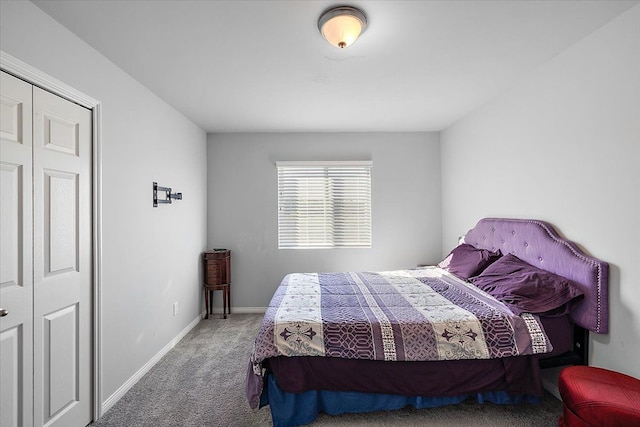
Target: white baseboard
{"type": "Point", "coordinates": [124, 388]}
{"type": "Point", "coordinates": [551, 387]}
{"type": "Point", "coordinates": [242, 310]}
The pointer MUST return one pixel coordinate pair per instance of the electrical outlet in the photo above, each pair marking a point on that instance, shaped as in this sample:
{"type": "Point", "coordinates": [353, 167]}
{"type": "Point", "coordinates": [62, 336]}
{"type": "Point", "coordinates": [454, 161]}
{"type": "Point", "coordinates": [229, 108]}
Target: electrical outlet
{"type": "Point", "coordinates": [175, 308]}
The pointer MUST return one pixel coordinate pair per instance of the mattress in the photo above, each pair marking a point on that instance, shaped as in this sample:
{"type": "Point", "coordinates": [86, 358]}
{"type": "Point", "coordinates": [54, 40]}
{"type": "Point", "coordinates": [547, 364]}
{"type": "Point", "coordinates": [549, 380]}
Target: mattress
{"type": "Point", "coordinates": [403, 316]}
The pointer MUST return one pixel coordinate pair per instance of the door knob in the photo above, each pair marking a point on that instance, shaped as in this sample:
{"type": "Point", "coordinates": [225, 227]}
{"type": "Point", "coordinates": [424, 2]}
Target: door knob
{"type": "Point", "coordinates": [3, 312]}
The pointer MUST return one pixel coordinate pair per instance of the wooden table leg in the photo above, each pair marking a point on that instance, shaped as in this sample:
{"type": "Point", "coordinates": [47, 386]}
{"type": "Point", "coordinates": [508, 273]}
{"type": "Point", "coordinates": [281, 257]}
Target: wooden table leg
{"type": "Point", "coordinates": [206, 302]}
{"type": "Point", "coordinates": [224, 303]}
{"type": "Point", "coordinates": [210, 302]}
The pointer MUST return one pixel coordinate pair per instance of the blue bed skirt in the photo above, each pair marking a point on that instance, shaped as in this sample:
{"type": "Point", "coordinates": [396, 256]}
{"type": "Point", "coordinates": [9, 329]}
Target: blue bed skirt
{"type": "Point", "coordinates": [296, 409]}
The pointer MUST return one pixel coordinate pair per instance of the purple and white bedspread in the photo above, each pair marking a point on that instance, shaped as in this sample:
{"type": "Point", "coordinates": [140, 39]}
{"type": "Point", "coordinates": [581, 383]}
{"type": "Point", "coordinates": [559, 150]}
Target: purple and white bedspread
{"type": "Point", "coordinates": [413, 315]}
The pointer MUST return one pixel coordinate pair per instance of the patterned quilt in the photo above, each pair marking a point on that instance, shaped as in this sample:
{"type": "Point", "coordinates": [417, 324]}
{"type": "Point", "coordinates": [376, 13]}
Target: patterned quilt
{"type": "Point", "coordinates": [414, 315]}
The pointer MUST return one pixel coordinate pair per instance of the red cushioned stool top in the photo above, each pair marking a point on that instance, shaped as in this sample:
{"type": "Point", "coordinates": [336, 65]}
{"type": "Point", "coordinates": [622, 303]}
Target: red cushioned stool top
{"type": "Point", "coordinates": [600, 397]}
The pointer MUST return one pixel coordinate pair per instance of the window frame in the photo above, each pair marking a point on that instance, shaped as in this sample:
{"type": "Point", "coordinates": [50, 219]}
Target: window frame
{"type": "Point", "coordinates": [334, 227]}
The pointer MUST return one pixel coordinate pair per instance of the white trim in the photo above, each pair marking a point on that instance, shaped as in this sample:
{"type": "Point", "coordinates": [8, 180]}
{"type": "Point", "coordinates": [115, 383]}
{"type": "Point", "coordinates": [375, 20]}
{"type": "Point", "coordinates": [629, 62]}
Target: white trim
{"type": "Point", "coordinates": [245, 310]}
{"type": "Point", "coordinates": [13, 65]}
{"type": "Point", "coordinates": [285, 164]}
{"type": "Point", "coordinates": [551, 387]}
{"type": "Point", "coordinates": [97, 263]}
{"type": "Point", "coordinates": [26, 72]}
{"type": "Point", "coordinates": [239, 310]}
{"type": "Point", "coordinates": [124, 388]}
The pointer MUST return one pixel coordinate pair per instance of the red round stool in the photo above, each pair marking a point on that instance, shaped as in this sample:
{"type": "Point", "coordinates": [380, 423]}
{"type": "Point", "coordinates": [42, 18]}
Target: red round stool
{"type": "Point", "coordinates": [596, 397]}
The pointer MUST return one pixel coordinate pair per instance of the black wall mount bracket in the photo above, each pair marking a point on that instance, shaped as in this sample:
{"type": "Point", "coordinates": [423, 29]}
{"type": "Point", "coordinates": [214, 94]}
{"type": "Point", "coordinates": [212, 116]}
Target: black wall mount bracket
{"type": "Point", "coordinates": [167, 197]}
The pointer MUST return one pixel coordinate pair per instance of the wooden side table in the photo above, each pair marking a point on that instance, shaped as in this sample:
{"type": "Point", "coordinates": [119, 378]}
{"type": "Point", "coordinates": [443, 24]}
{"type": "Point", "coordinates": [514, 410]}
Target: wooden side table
{"type": "Point", "coordinates": [217, 277]}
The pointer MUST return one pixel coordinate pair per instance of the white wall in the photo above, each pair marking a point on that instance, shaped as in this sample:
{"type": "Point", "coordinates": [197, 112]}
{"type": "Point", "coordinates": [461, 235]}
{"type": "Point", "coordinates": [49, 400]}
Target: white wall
{"type": "Point", "coordinates": [150, 255]}
{"type": "Point", "coordinates": [564, 146]}
{"type": "Point", "coordinates": [242, 212]}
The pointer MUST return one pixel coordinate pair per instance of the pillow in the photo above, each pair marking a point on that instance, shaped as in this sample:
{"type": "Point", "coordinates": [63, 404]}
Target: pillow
{"type": "Point", "coordinates": [525, 288]}
{"type": "Point", "coordinates": [466, 261]}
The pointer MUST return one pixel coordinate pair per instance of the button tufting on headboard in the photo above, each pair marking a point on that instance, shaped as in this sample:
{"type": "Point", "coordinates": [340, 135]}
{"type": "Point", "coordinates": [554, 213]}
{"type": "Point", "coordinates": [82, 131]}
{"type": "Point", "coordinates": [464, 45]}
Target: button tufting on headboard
{"type": "Point", "coordinates": [538, 242]}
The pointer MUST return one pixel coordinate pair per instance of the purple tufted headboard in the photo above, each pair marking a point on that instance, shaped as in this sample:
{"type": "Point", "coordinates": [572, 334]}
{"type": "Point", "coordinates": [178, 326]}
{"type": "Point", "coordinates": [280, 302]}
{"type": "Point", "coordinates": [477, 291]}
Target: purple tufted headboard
{"type": "Point", "coordinates": [537, 243]}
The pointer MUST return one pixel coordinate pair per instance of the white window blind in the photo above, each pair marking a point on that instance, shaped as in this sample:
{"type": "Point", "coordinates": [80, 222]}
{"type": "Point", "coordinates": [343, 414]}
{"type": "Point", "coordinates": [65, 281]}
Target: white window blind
{"type": "Point", "coordinates": [324, 205]}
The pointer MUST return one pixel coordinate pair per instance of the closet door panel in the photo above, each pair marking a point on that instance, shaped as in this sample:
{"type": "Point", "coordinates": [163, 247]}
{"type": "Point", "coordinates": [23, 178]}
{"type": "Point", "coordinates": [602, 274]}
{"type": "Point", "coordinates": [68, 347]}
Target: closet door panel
{"type": "Point", "coordinates": [16, 274]}
{"type": "Point", "coordinates": [61, 360]}
{"type": "Point", "coordinates": [61, 245]}
{"type": "Point", "coordinates": [11, 211]}
{"type": "Point", "coordinates": [62, 261]}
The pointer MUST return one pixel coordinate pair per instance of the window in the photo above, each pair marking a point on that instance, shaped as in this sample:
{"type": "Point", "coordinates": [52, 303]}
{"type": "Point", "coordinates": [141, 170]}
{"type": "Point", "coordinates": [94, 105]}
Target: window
{"type": "Point", "coordinates": [324, 205]}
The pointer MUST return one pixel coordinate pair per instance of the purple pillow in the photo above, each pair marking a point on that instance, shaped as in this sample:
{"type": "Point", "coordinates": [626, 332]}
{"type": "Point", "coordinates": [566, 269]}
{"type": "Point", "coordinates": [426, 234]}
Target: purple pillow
{"type": "Point", "coordinates": [525, 288]}
{"type": "Point", "coordinates": [466, 261]}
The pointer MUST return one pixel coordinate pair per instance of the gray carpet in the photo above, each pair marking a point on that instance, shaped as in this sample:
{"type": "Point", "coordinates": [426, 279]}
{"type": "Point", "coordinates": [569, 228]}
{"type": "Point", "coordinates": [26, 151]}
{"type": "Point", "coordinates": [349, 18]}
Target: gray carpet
{"type": "Point", "coordinates": [201, 383]}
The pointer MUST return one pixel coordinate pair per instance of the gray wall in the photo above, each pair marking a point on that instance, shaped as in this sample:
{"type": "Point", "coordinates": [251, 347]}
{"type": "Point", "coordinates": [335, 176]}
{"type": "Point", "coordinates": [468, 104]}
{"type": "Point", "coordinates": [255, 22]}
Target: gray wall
{"type": "Point", "coordinates": [150, 255]}
{"type": "Point", "coordinates": [564, 146]}
{"type": "Point", "coordinates": [242, 210]}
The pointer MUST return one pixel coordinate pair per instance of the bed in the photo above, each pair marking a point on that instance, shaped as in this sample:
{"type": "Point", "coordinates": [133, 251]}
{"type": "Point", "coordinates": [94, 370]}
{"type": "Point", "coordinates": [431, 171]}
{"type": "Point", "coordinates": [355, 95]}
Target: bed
{"type": "Point", "coordinates": [512, 298]}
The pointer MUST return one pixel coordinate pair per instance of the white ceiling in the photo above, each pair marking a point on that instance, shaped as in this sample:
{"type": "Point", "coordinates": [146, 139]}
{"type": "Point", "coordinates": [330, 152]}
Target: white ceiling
{"type": "Point", "coordinates": [262, 66]}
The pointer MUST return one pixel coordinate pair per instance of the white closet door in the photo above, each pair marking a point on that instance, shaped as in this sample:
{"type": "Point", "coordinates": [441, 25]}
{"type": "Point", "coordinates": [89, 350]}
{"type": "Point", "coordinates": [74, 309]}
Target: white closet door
{"type": "Point", "coordinates": [16, 273]}
{"type": "Point", "coordinates": [62, 261]}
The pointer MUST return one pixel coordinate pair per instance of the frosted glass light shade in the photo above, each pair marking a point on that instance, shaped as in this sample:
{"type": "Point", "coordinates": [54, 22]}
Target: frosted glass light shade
{"type": "Point", "coordinates": [341, 26]}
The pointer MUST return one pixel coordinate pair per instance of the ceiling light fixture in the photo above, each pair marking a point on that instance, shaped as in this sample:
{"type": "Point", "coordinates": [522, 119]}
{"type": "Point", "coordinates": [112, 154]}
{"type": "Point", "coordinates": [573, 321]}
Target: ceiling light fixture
{"type": "Point", "coordinates": [342, 25]}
